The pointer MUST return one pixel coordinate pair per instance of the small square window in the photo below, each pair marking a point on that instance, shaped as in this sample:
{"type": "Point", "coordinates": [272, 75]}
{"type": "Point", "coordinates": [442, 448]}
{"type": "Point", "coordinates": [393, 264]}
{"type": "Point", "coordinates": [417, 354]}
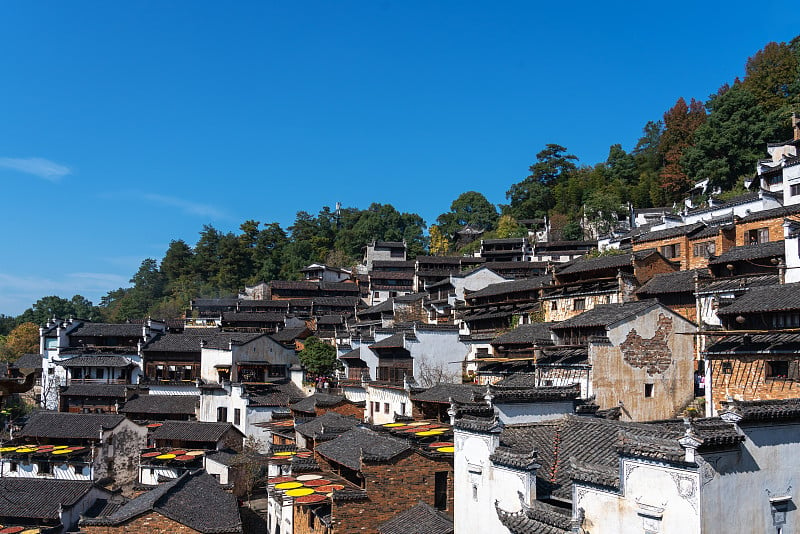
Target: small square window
{"type": "Point", "coordinates": [648, 390]}
{"type": "Point", "coordinates": [727, 368]}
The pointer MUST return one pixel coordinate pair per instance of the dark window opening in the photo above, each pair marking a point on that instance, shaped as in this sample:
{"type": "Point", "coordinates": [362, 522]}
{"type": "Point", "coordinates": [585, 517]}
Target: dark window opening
{"type": "Point", "coordinates": [648, 390]}
{"type": "Point", "coordinates": [44, 468]}
{"type": "Point", "coordinates": [777, 370]}
{"type": "Point", "coordinates": [440, 490]}
{"type": "Point", "coordinates": [671, 251]}
{"type": "Point", "coordinates": [727, 368]}
{"type": "Point", "coordinates": [222, 414]}
{"type": "Point", "coordinates": [579, 304]}
{"type": "Point", "coordinates": [237, 415]}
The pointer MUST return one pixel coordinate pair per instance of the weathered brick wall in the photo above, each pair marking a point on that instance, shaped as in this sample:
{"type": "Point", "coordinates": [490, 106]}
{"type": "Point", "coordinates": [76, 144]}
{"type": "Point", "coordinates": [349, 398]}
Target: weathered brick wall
{"type": "Point", "coordinates": [653, 265]}
{"type": "Point", "coordinates": [410, 312]}
{"type": "Point", "coordinates": [649, 355]}
{"type": "Point", "coordinates": [305, 522]}
{"type": "Point", "coordinates": [774, 225]}
{"type": "Point", "coordinates": [747, 381]}
{"type": "Point", "coordinates": [392, 488]}
{"type": "Point", "coordinates": [151, 523]}
{"type": "Point", "coordinates": [700, 262]}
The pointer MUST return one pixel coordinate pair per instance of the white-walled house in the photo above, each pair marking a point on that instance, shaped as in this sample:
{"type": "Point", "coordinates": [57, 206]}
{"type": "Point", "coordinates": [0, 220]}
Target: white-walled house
{"type": "Point", "coordinates": [594, 475]}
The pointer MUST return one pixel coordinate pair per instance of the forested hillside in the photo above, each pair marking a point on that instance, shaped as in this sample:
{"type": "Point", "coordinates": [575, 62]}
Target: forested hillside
{"type": "Point", "coordinates": [720, 139]}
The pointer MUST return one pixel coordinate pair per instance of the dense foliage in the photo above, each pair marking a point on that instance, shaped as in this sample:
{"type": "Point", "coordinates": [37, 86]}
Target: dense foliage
{"type": "Point", "coordinates": [720, 139]}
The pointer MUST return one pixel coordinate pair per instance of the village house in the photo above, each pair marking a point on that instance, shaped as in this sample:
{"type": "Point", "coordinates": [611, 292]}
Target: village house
{"type": "Point", "coordinates": [641, 356]}
{"type": "Point", "coordinates": [325, 427]}
{"type": "Point", "coordinates": [390, 278]}
{"type": "Point", "coordinates": [510, 249]}
{"type": "Point", "coordinates": [383, 251]}
{"type": "Point", "coordinates": [561, 251]}
{"type": "Point", "coordinates": [318, 404]}
{"type": "Point", "coordinates": [248, 405]}
{"type": "Point", "coordinates": [196, 435]}
{"type": "Point", "coordinates": [192, 503]}
{"type": "Point", "coordinates": [317, 272]}
{"type": "Point", "coordinates": [588, 282]}
{"type": "Point", "coordinates": [449, 292]}
{"type": "Point", "coordinates": [432, 269]}
{"type": "Point", "coordinates": [76, 447]}
{"type": "Point", "coordinates": [152, 408]}
{"type": "Point", "coordinates": [394, 473]}
{"type": "Point", "coordinates": [755, 357]}
{"type": "Point", "coordinates": [46, 505]}
{"type": "Point", "coordinates": [676, 291]}
{"type": "Point", "coordinates": [780, 173]}
{"type": "Point", "coordinates": [93, 355]}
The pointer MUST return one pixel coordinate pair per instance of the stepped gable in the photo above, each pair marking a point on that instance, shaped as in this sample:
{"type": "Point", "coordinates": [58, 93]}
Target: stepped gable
{"type": "Point", "coordinates": [195, 499]}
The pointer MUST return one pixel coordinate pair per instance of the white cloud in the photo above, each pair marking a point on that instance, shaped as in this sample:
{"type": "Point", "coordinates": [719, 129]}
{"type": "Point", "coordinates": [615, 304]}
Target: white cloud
{"type": "Point", "coordinates": [43, 168]}
{"type": "Point", "coordinates": [188, 207]}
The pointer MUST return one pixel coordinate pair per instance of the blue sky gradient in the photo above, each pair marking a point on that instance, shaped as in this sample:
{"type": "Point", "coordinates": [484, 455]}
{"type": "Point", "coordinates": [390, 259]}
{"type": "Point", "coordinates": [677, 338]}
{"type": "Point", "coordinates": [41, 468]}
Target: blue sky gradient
{"type": "Point", "coordinates": [126, 125]}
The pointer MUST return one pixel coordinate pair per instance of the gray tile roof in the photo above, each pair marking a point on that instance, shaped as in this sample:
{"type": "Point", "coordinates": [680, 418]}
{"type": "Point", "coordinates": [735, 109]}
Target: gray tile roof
{"type": "Point", "coordinates": [781, 211]}
{"type": "Point", "coordinates": [195, 500]}
{"type": "Point", "coordinates": [39, 498]}
{"type": "Point", "coordinates": [419, 519]}
{"type": "Point", "coordinates": [328, 424]}
{"type": "Point", "coordinates": [765, 299]}
{"type": "Point", "coordinates": [224, 340]}
{"type": "Point", "coordinates": [738, 283]}
{"type": "Point", "coordinates": [442, 393]}
{"type": "Point", "coordinates": [69, 425]}
{"type": "Point", "coordinates": [28, 361]}
{"type": "Point", "coordinates": [539, 518]}
{"type": "Point", "coordinates": [273, 394]}
{"type": "Point", "coordinates": [288, 335]}
{"type": "Point", "coordinates": [161, 404]}
{"type": "Point", "coordinates": [118, 391]}
{"type": "Point", "coordinates": [310, 403]}
{"type": "Point", "coordinates": [763, 344]}
{"type": "Point", "coordinates": [751, 252]}
{"type": "Point", "coordinates": [606, 314]}
{"type": "Point", "coordinates": [537, 394]}
{"type": "Point", "coordinates": [677, 282]}
{"type": "Point", "coordinates": [96, 360]}
{"type": "Point", "coordinates": [192, 431]}
{"type": "Point", "coordinates": [668, 233]}
{"type": "Point", "coordinates": [107, 329]}
{"type": "Point", "coordinates": [187, 341]}
{"type": "Point", "coordinates": [764, 410]}
{"type": "Point", "coordinates": [614, 261]}
{"type": "Point", "coordinates": [514, 286]}
{"type": "Point", "coordinates": [394, 341]}
{"type": "Point", "coordinates": [361, 443]}
{"type": "Point", "coordinates": [526, 334]}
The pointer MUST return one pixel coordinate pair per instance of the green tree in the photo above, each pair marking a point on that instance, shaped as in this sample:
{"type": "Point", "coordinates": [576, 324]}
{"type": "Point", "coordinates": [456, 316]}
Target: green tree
{"type": "Point", "coordinates": [318, 357]}
{"type": "Point", "coordinates": [532, 197]}
{"type": "Point", "coordinates": [470, 208]}
{"type": "Point", "coordinates": [178, 260]}
{"type": "Point", "coordinates": [730, 142]}
{"type": "Point", "coordinates": [24, 339]}
{"type": "Point", "coordinates": [773, 76]}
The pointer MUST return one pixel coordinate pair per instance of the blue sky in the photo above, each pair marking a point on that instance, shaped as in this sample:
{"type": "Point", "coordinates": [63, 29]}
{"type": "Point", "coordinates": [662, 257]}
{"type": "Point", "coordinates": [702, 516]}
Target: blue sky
{"type": "Point", "coordinates": [126, 125]}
